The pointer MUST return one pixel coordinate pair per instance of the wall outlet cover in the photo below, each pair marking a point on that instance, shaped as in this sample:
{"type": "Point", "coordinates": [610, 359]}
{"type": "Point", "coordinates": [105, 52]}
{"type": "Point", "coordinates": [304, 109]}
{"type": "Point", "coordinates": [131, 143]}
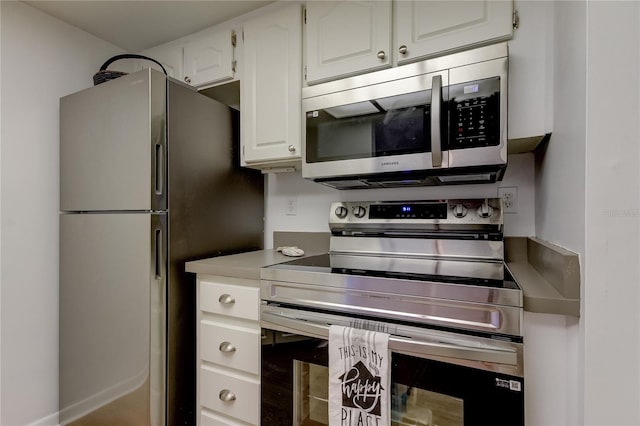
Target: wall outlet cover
{"type": "Point", "coordinates": [509, 195]}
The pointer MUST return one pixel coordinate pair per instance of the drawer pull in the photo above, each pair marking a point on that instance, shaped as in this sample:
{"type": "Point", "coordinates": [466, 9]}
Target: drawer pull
{"type": "Point", "coordinates": [227, 299]}
{"type": "Point", "coordinates": [227, 347]}
{"type": "Point", "coordinates": [227, 396]}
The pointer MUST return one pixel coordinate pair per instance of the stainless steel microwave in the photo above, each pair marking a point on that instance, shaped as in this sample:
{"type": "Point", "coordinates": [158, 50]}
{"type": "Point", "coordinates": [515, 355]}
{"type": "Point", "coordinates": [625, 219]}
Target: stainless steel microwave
{"type": "Point", "coordinates": [439, 121]}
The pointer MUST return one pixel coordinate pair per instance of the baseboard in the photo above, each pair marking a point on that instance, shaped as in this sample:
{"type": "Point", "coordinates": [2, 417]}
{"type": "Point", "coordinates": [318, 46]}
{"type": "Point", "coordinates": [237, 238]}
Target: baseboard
{"type": "Point", "coordinates": [50, 420]}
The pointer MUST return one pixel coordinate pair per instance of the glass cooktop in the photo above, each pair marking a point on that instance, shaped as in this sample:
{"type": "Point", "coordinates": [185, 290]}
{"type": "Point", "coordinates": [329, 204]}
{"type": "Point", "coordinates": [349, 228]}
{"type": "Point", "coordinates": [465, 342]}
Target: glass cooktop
{"type": "Point", "coordinates": [453, 271]}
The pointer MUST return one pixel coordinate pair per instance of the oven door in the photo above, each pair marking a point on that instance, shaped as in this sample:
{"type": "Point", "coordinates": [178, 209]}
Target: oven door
{"type": "Point", "coordinates": [437, 377]}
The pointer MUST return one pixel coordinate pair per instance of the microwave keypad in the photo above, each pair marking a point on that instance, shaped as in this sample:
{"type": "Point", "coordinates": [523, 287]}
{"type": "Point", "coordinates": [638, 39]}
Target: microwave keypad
{"type": "Point", "coordinates": [475, 120]}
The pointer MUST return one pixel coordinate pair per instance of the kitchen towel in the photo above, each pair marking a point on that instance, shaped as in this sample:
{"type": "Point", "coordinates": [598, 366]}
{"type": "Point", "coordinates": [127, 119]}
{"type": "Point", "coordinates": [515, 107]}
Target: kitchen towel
{"type": "Point", "coordinates": [359, 377]}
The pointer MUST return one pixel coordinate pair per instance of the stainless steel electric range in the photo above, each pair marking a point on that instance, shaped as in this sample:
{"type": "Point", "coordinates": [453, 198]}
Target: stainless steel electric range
{"type": "Point", "coordinates": [429, 273]}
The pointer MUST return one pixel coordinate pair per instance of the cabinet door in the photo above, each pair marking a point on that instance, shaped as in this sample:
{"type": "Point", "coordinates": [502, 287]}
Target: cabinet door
{"type": "Point", "coordinates": [428, 28]}
{"type": "Point", "coordinates": [169, 57]}
{"type": "Point", "coordinates": [346, 37]}
{"type": "Point", "coordinates": [208, 58]}
{"type": "Point", "coordinates": [271, 87]}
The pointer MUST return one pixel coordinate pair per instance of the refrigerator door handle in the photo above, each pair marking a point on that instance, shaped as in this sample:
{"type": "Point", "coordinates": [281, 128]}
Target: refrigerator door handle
{"type": "Point", "coordinates": [158, 253]}
{"type": "Point", "coordinates": [159, 161]}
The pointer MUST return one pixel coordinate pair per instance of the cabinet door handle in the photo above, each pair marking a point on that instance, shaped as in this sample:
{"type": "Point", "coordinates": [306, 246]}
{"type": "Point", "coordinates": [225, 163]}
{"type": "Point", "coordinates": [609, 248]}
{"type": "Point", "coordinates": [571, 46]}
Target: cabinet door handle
{"type": "Point", "coordinates": [403, 50]}
{"type": "Point", "coordinates": [227, 299]}
{"type": "Point", "coordinates": [227, 347]}
{"type": "Point", "coordinates": [381, 55]}
{"type": "Point", "coordinates": [227, 396]}
{"type": "Point", "coordinates": [187, 79]}
{"type": "Point", "coordinates": [292, 148]}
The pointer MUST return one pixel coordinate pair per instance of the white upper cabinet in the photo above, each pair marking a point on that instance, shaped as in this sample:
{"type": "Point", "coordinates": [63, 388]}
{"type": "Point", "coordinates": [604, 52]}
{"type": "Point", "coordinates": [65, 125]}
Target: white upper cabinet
{"type": "Point", "coordinates": [170, 57]}
{"type": "Point", "coordinates": [208, 58]}
{"type": "Point", "coordinates": [202, 60]}
{"type": "Point", "coordinates": [270, 90]}
{"type": "Point", "coordinates": [429, 28]}
{"type": "Point", "coordinates": [354, 37]}
{"type": "Point", "coordinates": [346, 37]}
{"type": "Point", "coordinates": [531, 69]}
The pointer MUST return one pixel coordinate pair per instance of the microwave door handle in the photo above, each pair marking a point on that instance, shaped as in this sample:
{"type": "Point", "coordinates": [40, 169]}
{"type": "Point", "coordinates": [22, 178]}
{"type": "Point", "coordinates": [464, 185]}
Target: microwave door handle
{"type": "Point", "coordinates": [399, 344]}
{"type": "Point", "coordinates": [436, 112]}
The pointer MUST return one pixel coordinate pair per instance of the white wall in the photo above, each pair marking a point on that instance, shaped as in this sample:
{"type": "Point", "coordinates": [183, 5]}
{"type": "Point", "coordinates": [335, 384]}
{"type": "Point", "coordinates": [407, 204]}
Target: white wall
{"type": "Point", "coordinates": [611, 332]}
{"type": "Point", "coordinates": [587, 372]}
{"type": "Point", "coordinates": [42, 59]}
{"type": "Point", "coordinates": [554, 365]}
{"type": "Point", "coordinates": [0, 216]}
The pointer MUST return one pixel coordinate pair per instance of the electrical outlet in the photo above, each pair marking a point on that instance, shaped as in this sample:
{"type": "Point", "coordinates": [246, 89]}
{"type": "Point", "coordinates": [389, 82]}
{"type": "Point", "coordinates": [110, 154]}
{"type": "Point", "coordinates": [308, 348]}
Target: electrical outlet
{"type": "Point", "coordinates": [291, 207]}
{"type": "Point", "coordinates": [509, 195]}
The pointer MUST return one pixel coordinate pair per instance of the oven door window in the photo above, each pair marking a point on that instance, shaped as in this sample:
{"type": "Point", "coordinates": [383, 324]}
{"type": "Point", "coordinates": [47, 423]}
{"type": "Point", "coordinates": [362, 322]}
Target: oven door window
{"type": "Point", "coordinates": [423, 393]}
{"type": "Point", "coordinates": [410, 405]}
{"type": "Point", "coordinates": [394, 125]}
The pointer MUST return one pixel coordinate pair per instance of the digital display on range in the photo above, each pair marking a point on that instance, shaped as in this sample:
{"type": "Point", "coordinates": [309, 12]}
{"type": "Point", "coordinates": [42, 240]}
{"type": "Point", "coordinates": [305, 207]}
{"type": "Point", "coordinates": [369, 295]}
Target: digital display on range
{"type": "Point", "coordinates": [408, 211]}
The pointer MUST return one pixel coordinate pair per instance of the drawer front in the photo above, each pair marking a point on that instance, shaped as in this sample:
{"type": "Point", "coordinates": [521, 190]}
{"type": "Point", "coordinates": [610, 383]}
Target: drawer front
{"type": "Point", "coordinates": [245, 405]}
{"type": "Point", "coordinates": [225, 299]}
{"type": "Point", "coordinates": [210, 419]}
{"type": "Point", "coordinates": [234, 347]}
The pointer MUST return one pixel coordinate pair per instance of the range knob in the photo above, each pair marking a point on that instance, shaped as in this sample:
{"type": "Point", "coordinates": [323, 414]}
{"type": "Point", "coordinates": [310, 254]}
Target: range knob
{"type": "Point", "coordinates": [485, 210]}
{"type": "Point", "coordinates": [359, 211]}
{"type": "Point", "coordinates": [459, 211]}
{"type": "Point", "coordinates": [341, 212]}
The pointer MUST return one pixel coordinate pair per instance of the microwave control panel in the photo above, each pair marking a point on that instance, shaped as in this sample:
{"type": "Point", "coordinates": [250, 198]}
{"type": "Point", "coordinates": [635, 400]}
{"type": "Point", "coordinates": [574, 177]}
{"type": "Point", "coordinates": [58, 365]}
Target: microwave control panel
{"type": "Point", "coordinates": [474, 114]}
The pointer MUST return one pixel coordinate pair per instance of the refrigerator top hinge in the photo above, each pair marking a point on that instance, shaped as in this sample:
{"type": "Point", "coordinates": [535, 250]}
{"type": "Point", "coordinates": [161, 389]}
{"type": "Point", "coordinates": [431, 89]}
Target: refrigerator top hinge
{"type": "Point", "coordinates": [516, 19]}
{"type": "Point", "coordinates": [233, 38]}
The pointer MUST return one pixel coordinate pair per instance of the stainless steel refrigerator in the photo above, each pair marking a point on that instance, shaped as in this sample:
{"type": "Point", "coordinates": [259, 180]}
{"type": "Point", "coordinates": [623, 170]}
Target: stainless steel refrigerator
{"type": "Point", "coordinates": [149, 179]}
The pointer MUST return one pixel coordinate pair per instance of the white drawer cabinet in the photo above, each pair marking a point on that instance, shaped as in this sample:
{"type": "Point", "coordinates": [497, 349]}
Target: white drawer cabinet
{"type": "Point", "coordinates": [231, 300]}
{"type": "Point", "coordinates": [230, 346]}
{"type": "Point", "coordinates": [208, 418]}
{"type": "Point", "coordinates": [229, 339]}
{"type": "Point", "coordinates": [236, 396]}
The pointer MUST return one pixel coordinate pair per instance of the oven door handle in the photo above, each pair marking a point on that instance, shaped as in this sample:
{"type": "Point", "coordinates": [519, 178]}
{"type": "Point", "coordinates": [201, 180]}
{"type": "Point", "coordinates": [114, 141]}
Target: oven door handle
{"type": "Point", "coordinates": [406, 345]}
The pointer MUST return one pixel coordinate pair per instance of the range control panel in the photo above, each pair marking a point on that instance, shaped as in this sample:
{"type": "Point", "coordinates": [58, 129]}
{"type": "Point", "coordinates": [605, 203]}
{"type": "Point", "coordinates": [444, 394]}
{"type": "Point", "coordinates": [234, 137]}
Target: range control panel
{"type": "Point", "coordinates": [408, 211]}
{"type": "Point", "coordinates": [467, 211]}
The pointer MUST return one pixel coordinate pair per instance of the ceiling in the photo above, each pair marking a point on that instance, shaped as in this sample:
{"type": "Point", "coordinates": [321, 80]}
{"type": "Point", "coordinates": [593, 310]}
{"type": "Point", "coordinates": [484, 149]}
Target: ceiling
{"type": "Point", "coordinates": [141, 24]}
